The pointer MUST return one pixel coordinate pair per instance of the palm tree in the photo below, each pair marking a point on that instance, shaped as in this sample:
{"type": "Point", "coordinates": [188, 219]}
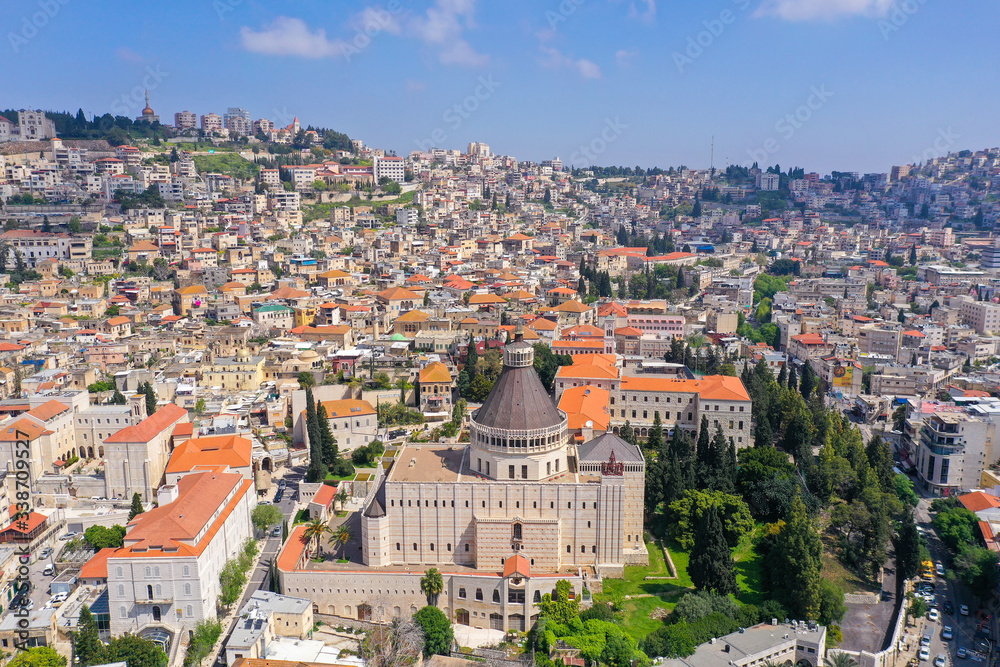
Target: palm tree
{"type": "Point", "coordinates": [341, 498]}
{"type": "Point", "coordinates": [315, 530]}
{"type": "Point", "coordinates": [839, 659]}
{"type": "Point", "coordinates": [341, 536]}
{"type": "Point", "coordinates": [431, 585]}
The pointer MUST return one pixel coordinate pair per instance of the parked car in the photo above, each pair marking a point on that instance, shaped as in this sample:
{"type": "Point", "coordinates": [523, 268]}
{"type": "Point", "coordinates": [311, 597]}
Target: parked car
{"type": "Point", "coordinates": [45, 553]}
{"type": "Point", "coordinates": [939, 568]}
{"type": "Point", "coordinates": [49, 570]}
{"type": "Point", "coordinates": [264, 502]}
{"type": "Point", "coordinates": [949, 608]}
{"type": "Point", "coordinates": [281, 484]}
{"type": "Point", "coordinates": [963, 609]}
{"type": "Point", "coordinates": [276, 531]}
{"type": "Point", "coordinates": [933, 614]}
{"type": "Point", "coordinates": [946, 633]}
{"type": "Point", "coordinates": [925, 640]}
{"type": "Point", "coordinates": [924, 654]}
{"type": "Point", "coordinates": [961, 652]}
{"type": "Point", "coordinates": [940, 660]}
{"type": "Point", "coordinates": [58, 599]}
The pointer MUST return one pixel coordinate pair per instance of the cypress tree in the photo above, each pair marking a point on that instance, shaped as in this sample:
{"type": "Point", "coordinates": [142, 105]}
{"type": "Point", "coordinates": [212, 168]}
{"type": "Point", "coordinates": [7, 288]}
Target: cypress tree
{"type": "Point", "coordinates": [87, 644]}
{"type": "Point", "coordinates": [703, 454]}
{"type": "Point", "coordinates": [793, 379]}
{"type": "Point", "coordinates": [783, 375]}
{"type": "Point", "coordinates": [328, 444]}
{"type": "Point", "coordinates": [711, 565]}
{"type": "Point", "coordinates": [137, 507]}
{"type": "Point", "coordinates": [793, 563]}
{"type": "Point", "coordinates": [808, 383]}
{"type": "Point", "coordinates": [654, 441]}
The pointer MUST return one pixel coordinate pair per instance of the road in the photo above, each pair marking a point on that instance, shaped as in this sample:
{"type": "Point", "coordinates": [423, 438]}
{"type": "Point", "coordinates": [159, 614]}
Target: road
{"type": "Point", "coordinates": [260, 578]}
{"type": "Point", "coordinates": [945, 590]}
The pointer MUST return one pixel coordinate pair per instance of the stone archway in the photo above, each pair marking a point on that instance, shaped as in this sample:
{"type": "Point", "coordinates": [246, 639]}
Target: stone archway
{"type": "Point", "coordinates": [267, 464]}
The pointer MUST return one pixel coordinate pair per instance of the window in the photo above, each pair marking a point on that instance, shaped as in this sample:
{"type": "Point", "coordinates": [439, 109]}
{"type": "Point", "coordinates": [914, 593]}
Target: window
{"type": "Point", "coordinates": [496, 595]}
{"type": "Point", "coordinates": [461, 593]}
{"type": "Point", "coordinates": [569, 548]}
{"type": "Point", "coordinates": [449, 546]}
{"type": "Point", "coordinates": [149, 572]}
{"type": "Point", "coordinates": [187, 571]}
{"type": "Point", "coordinates": [583, 549]}
{"type": "Point", "coordinates": [524, 472]}
{"type": "Point", "coordinates": [397, 546]}
{"type": "Point", "coordinates": [510, 472]}
{"type": "Point", "coordinates": [466, 547]}
{"type": "Point", "coordinates": [432, 546]}
{"type": "Point", "coordinates": [189, 611]}
{"type": "Point", "coordinates": [479, 594]}
{"type": "Point", "coordinates": [121, 591]}
{"type": "Point", "coordinates": [187, 589]}
{"type": "Point", "coordinates": [517, 531]}
{"type": "Point", "coordinates": [122, 613]}
{"type": "Point", "coordinates": [414, 546]}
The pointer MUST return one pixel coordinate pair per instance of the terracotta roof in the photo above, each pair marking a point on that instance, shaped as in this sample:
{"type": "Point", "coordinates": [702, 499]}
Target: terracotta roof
{"type": "Point", "coordinates": [516, 565]}
{"type": "Point", "coordinates": [481, 299]}
{"type": "Point", "coordinates": [347, 408]}
{"type": "Point", "coordinates": [25, 524]}
{"type": "Point", "coordinates": [710, 387]}
{"type": "Point", "coordinates": [413, 316]}
{"type": "Point", "coordinates": [151, 426]}
{"type": "Point", "coordinates": [571, 307]}
{"type": "Point", "coordinates": [577, 344]}
{"type": "Point", "coordinates": [977, 501]}
{"type": "Point", "coordinates": [435, 372]}
{"type": "Point", "coordinates": [177, 524]}
{"type": "Point", "coordinates": [324, 496]}
{"type": "Point", "coordinates": [586, 404]}
{"type": "Point", "coordinates": [220, 450]}
{"type": "Point", "coordinates": [397, 294]}
{"type": "Point", "coordinates": [97, 566]}
{"type": "Point", "coordinates": [22, 427]}
{"type": "Point", "coordinates": [48, 410]}
{"type": "Point", "coordinates": [288, 559]}
{"type": "Point", "coordinates": [192, 289]}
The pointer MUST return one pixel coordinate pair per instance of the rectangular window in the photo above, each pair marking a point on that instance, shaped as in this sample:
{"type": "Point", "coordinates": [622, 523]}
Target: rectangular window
{"type": "Point", "coordinates": [510, 471]}
{"type": "Point", "coordinates": [524, 472]}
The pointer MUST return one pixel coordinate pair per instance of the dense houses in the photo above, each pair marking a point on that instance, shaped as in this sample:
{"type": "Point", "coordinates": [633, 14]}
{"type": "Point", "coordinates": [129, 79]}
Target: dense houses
{"type": "Point", "coordinates": [161, 329]}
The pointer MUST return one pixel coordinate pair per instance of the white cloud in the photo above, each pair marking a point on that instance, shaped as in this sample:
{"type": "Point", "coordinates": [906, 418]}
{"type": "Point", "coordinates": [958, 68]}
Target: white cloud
{"type": "Point", "coordinates": [442, 27]}
{"type": "Point", "coordinates": [822, 10]}
{"type": "Point", "coordinates": [287, 36]}
{"type": "Point", "coordinates": [372, 20]}
{"type": "Point", "coordinates": [647, 15]}
{"type": "Point", "coordinates": [555, 59]}
{"type": "Point", "coordinates": [624, 57]}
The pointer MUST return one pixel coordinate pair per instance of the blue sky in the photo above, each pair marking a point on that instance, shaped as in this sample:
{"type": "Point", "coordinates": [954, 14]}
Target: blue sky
{"type": "Point", "coordinates": [823, 84]}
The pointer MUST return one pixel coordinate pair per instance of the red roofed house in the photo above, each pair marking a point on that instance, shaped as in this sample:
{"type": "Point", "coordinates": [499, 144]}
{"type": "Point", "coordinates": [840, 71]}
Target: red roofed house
{"type": "Point", "coordinates": [167, 573]}
{"type": "Point", "coordinates": [229, 452]}
{"type": "Point", "coordinates": [135, 457]}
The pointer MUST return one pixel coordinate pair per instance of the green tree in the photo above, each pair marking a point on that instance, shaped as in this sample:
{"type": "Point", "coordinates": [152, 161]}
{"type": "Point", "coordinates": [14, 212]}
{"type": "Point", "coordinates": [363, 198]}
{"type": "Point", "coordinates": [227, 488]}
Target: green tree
{"type": "Point", "coordinates": [956, 526]}
{"type": "Point", "coordinates": [654, 441]}
{"type": "Point", "coordinates": [199, 406]}
{"type": "Point", "coordinates": [690, 511]}
{"type": "Point", "coordinates": [439, 637]}
{"type": "Point", "coordinates": [306, 379]}
{"type": "Point", "coordinates": [118, 398]}
{"type": "Point", "coordinates": [147, 389]}
{"type": "Point", "coordinates": [39, 656]}
{"type": "Point", "coordinates": [907, 548]}
{"type": "Point", "coordinates": [562, 607]}
{"type": "Point", "coordinates": [807, 385]}
{"type": "Point", "coordinates": [87, 644]}
{"type": "Point", "coordinates": [711, 565]}
{"type": "Point", "coordinates": [136, 651]}
{"type": "Point", "coordinates": [793, 561]}
{"type": "Point", "coordinates": [766, 480]}
{"type": "Point", "coordinates": [328, 443]}
{"type": "Point", "coordinates": [880, 460]}
{"type": "Point", "coordinates": [977, 568]}
{"type": "Point", "coordinates": [137, 507]}
{"type": "Point", "coordinates": [103, 537]}
{"type": "Point", "coordinates": [899, 419]}
{"type": "Point", "coordinates": [315, 531]}
{"type": "Point", "coordinates": [431, 585]}
{"type": "Point", "coordinates": [264, 517]}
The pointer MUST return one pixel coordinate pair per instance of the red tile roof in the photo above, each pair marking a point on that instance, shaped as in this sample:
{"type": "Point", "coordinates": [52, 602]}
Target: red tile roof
{"type": "Point", "coordinates": [152, 426]}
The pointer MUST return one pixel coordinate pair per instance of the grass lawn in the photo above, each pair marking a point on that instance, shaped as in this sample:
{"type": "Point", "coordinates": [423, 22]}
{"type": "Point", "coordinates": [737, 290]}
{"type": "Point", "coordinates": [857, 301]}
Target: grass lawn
{"type": "Point", "coordinates": [749, 569]}
{"type": "Point", "coordinates": [845, 580]}
{"type": "Point", "coordinates": [664, 593]}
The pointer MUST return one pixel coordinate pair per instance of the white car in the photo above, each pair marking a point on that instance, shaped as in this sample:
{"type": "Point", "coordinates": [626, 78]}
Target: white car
{"type": "Point", "coordinates": [933, 614]}
{"type": "Point", "coordinates": [963, 609]}
{"type": "Point", "coordinates": [924, 654]}
{"type": "Point", "coordinates": [940, 660]}
{"type": "Point", "coordinates": [58, 599]}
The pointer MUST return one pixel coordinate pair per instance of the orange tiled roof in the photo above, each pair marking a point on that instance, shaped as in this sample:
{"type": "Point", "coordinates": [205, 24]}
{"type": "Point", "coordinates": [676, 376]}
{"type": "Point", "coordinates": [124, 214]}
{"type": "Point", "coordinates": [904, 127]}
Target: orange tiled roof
{"type": "Point", "coordinates": [435, 372]}
{"type": "Point", "coordinates": [228, 450]}
{"type": "Point", "coordinates": [710, 387]}
{"type": "Point", "coordinates": [151, 426]}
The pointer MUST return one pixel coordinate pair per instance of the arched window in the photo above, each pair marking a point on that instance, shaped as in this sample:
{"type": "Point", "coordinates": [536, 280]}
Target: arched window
{"type": "Point", "coordinates": [121, 591]}
{"type": "Point", "coordinates": [496, 595]}
{"type": "Point", "coordinates": [517, 531]}
{"type": "Point", "coordinates": [187, 589]}
{"type": "Point", "coordinates": [479, 594]}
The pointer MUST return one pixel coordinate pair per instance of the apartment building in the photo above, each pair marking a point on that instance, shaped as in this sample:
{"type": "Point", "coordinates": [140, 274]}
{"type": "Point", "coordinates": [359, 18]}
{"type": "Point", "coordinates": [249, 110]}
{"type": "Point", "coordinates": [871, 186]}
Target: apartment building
{"type": "Point", "coordinates": [167, 573]}
{"type": "Point", "coordinates": [393, 168]}
{"type": "Point", "coordinates": [953, 448]}
{"type": "Point", "coordinates": [136, 456]}
{"type": "Point", "coordinates": [983, 316]}
{"type": "Point", "coordinates": [185, 120]}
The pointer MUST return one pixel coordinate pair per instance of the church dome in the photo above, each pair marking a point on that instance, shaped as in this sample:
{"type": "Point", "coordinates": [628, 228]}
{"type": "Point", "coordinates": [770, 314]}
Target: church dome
{"type": "Point", "coordinates": [518, 416]}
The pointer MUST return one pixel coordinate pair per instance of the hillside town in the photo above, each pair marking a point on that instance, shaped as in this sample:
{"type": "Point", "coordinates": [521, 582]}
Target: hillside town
{"type": "Point", "coordinates": [271, 395]}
